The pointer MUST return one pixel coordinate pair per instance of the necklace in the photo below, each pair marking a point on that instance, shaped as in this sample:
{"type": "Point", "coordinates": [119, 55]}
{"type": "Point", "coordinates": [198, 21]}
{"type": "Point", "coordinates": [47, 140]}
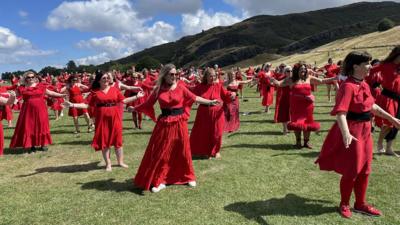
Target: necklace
{"type": "Point", "coordinates": [356, 79]}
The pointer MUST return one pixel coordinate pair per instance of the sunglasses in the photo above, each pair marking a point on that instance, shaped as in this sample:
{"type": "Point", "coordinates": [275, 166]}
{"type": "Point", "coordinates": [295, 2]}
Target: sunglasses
{"type": "Point", "coordinates": [106, 78]}
{"type": "Point", "coordinates": [29, 77]}
{"type": "Point", "coordinates": [173, 74]}
{"type": "Point", "coordinates": [288, 71]}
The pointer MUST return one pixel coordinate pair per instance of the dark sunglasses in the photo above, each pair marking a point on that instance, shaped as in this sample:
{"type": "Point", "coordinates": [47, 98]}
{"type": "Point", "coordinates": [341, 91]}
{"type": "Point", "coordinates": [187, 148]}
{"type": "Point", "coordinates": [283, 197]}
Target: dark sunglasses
{"type": "Point", "coordinates": [29, 77]}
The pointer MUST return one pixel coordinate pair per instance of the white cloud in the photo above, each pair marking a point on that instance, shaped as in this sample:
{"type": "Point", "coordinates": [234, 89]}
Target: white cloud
{"type": "Point", "coordinates": [14, 49]}
{"type": "Point", "coordinates": [148, 8]}
{"type": "Point", "coordinates": [195, 23]}
{"type": "Point", "coordinates": [279, 7]}
{"type": "Point", "coordinates": [23, 13]}
{"type": "Point", "coordinates": [95, 15]}
{"type": "Point", "coordinates": [93, 60]}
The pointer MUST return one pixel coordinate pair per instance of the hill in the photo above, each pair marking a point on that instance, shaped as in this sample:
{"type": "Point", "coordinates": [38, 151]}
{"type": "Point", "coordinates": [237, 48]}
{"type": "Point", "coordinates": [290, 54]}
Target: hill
{"type": "Point", "coordinates": [270, 35]}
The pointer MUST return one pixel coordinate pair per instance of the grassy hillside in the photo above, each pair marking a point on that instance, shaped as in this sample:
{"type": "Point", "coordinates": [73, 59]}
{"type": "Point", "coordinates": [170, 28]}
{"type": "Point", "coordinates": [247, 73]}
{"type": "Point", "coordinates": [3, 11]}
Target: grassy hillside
{"type": "Point", "coordinates": [378, 44]}
{"type": "Point", "coordinates": [282, 34]}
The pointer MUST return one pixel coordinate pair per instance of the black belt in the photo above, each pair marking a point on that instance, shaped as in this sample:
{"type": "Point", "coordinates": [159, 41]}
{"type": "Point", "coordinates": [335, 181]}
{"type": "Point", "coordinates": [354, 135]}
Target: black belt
{"type": "Point", "coordinates": [364, 116]}
{"type": "Point", "coordinates": [133, 93]}
{"type": "Point", "coordinates": [106, 105]}
{"type": "Point", "coordinates": [172, 112]}
{"type": "Point", "coordinates": [375, 85]}
{"type": "Point", "coordinates": [390, 94]}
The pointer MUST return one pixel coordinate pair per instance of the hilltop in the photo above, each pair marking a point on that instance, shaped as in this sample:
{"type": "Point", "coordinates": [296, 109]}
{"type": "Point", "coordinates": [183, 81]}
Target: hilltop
{"type": "Point", "coordinates": [270, 37]}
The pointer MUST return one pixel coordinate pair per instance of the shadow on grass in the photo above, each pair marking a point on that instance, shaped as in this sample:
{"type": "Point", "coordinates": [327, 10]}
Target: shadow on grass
{"type": "Point", "coordinates": [255, 133]}
{"type": "Point", "coordinates": [264, 146]}
{"type": "Point", "coordinates": [112, 185]}
{"type": "Point", "coordinates": [66, 169]}
{"type": "Point", "coordinates": [256, 121]}
{"type": "Point", "coordinates": [290, 205]}
{"type": "Point", "coordinates": [305, 153]}
{"type": "Point", "coordinates": [76, 142]}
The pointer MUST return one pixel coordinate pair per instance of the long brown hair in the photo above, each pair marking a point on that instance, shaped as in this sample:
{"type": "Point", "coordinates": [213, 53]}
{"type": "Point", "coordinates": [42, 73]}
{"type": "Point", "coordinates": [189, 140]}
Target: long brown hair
{"type": "Point", "coordinates": [393, 54]}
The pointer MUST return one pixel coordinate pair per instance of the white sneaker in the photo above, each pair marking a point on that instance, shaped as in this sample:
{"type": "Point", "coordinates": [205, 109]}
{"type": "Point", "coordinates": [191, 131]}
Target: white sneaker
{"type": "Point", "coordinates": [158, 189]}
{"type": "Point", "coordinates": [192, 184]}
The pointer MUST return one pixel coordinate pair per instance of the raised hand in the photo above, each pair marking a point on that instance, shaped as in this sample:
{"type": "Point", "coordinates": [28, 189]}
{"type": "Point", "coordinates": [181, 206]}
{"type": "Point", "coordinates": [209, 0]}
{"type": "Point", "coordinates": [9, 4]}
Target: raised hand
{"type": "Point", "coordinates": [140, 94]}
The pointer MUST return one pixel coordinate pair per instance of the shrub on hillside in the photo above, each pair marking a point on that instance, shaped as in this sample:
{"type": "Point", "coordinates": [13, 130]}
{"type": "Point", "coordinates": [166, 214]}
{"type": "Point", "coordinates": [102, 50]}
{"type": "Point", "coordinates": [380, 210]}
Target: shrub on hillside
{"type": "Point", "coordinates": [385, 24]}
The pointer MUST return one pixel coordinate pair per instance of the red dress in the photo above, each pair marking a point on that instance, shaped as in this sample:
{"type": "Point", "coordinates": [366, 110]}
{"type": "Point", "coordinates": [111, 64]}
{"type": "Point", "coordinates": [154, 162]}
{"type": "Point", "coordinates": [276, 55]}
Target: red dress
{"type": "Point", "coordinates": [352, 97]}
{"type": "Point", "coordinates": [302, 108]}
{"type": "Point", "coordinates": [231, 109]}
{"type": "Point", "coordinates": [32, 127]}
{"type": "Point", "coordinates": [7, 113]}
{"type": "Point", "coordinates": [108, 128]}
{"type": "Point", "coordinates": [167, 158]}
{"type": "Point", "coordinates": [266, 88]}
{"type": "Point", "coordinates": [282, 103]}
{"type": "Point", "coordinates": [331, 71]}
{"type": "Point", "coordinates": [390, 81]}
{"type": "Point", "coordinates": [208, 127]}
{"type": "Point", "coordinates": [75, 96]}
{"type": "Point", "coordinates": [55, 103]}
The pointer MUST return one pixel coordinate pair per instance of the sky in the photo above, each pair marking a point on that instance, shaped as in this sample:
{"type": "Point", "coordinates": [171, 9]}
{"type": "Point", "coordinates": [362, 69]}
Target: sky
{"type": "Point", "coordinates": [35, 34]}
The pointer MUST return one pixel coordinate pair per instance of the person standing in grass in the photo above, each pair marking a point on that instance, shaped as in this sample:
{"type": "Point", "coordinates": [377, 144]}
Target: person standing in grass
{"type": "Point", "coordinates": [282, 114]}
{"type": "Point", "coordinates": [266, 88]}
{"type": "Point", "coordinates": [331, 70]}
{"type": "Point", "coordinates": [168, 159]}
{"type": "Point", "coordinates": [32, 127]}
{"type": "Point", "coordinates": [106, 101]}
{"type": "Point", "coordinates": [352, 156]}
{"type": "Point", "coordinates": [208, 127]}
{"type": "Point", "coordinates": [302, 102]}
{"type": "Point", "coordinates": [389, 98]}
{"type": "Point", "coordinates": [6, 99]}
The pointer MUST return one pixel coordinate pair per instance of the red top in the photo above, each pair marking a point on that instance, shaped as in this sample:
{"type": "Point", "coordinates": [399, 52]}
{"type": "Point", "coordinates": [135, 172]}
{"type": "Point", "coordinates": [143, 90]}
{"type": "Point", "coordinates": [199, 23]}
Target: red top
{"type": "Point", "coordinates": [390, 76]}
{"type": "Point", "coordinates": [331, 70]}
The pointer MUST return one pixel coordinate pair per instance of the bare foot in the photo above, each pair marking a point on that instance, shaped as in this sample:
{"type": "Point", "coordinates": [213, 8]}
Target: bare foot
{"type": "Point", "coordinates": [381, 150]}
{"type": "Point", "coordinates": [123, 165]}
{"type": "Point", "coordinates": [108, 168]}
{"type": "Point", "coordinates": [218, 155]}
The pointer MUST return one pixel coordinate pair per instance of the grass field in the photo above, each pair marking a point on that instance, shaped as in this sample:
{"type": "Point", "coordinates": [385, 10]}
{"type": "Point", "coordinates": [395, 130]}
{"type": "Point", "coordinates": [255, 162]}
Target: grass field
{"type": "Point", "coordinates": [260, 179]}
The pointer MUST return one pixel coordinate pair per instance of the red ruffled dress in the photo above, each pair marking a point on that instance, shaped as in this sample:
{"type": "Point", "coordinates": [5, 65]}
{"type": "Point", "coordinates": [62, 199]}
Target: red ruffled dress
{"type": "Point", "coordinates": [390, 81]}
{"type": "Point", "coordinates": [55, 103]}
{"type": "Point", "coordinates": [282, 102]}
{"type": "Point", "coordinates": [7, 113]}
{"type": "Point", "coordinates": [32, 127]}
{"type": "Point", "coordinates": [231, 111]}
{"type": "Point", "coordinates": [266, 88]}
{"type": "Point", "coordinates": [332, 70]}
{"type": "Point", "coordinates": [75, 96]}
{"type": "Point", "coordinates": [108, 127]}
{"type": "Point", "coordinates": [208, 127]}
{"type": "Point", "coordinates": [353, 97]}
{"type": "Point", "coordinates": [167, 158]}
{"type": "Point", "coordinates": [302, 108]}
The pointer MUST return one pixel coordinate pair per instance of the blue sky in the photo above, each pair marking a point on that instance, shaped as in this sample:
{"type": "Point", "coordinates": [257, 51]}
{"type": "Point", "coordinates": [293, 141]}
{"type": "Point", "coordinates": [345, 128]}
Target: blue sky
{"type": "Point", "coordinates": [34, 34]}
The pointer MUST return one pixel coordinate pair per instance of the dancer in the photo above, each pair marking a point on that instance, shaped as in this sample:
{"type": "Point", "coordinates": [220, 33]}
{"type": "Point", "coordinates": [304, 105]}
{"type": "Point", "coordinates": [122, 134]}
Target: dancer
{"type": "Point", "coordinates": [108, 130]}
{"type": "Point", "coordinates": [167, 159]}
{"type": "Point", "coordinates": [302, 102]}
{"type": "Point", "coordinates": [32, 127]}
{"type": "Point", "coordinates": [389, 98]}
{"type": "Point", "coordinates": [352, 156]}
{"type": "Point", "coordinates": [135, 82]}
{"type": "Point", "coordinates": [208, 127]}
{"type": "Point", "coordinates": [231, 109]}
{"type": "Point", "coordinates": [282, 103]}
{"type": "Point", "coordinates": [330, 70]}
{"type": "Point", "coordinates": [5, 99]}
{"type": "Point", "coordinates": [266, 88]}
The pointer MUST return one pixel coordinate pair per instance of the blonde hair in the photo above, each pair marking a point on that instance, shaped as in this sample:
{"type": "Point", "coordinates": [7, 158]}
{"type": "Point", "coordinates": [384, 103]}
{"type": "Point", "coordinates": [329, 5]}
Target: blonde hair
{"type": "Point", "coordinates": [22, 81]}
{"type": "Point", "coordinates": [161, 76]}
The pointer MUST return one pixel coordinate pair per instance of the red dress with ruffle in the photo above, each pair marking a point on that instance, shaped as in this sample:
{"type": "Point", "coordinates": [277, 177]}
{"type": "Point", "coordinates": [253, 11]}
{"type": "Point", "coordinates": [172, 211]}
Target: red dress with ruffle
{"type": "Point", "coordinates": [353, 97]}
{"type": "Point", "coordinates": [390, 73]}
{"type": "Point", "coordinates": [302, 108]}
{"type": "Point", "coordinates": [32, 127]}
{"type": "Point", "coordinates": [266, 88]}
{"type": "Point", "coordinates": [282, 102]}
{"type": "Point", "coordinates": [167, 158]}
{"type": "Point", "coordinates": [108, 127]}
{"type": "Point", "coordinates": [231, 111]}
{"type": "Point", "coordinates": [208, 127]}
{"type": "Point", "coordinates": [75, 96]}
{"type": "Point", "coordinates": [54, 103]}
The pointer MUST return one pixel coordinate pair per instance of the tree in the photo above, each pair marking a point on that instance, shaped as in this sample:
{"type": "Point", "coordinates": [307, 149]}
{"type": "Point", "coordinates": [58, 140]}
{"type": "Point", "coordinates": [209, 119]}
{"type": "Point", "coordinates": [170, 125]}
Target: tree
{"type": "Point", "coordinates": [50, 70]}
{"type": "Point", "coordinates": [71, 66]}
{"type": "Point", "coordinates": [147, 62]}
{"type": "Point", "coordinates": [385, 24]}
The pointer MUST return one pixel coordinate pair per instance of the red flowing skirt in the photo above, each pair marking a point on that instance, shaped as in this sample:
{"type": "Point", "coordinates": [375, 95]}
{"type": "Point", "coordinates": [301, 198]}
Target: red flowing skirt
{"type": "Point", "coordinates": [348, 162]}
{"type": "Point", "coordinates": [32, 127]}
{"type": "Point", "coordinates": [232, 121]}
{"type": "Point", "coordinates": [206, 135]}
{"type": "Point", "coordinates": [301, 115]}
{"type": "Point", "coordinates": [167, 159]}
{"type": "Point", "coordinates": [282, 105]}
{"type": "Point", "coordinates": [268, 96]}
{"type": "Point", "coordinates": [389, 105]}
{"type": "Point", "coordinates": [108, 128]}
{"type": "Point", "coordinates": [74, 112]}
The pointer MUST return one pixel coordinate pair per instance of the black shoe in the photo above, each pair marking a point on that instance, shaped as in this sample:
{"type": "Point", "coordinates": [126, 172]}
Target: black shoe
{"type": "Point", "coordinates": [33, 149]}
{"type": "Point", "coordinates": [44, 149]}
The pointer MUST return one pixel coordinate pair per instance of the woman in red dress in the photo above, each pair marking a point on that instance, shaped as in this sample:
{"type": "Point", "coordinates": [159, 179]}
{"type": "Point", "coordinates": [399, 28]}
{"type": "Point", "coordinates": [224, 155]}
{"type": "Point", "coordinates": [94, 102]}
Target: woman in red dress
{"type": "Point", "coordinates": [75, 88]}
{"type": "Point", "coordinates": [389, 98]}
{"type": "Point", "coordinates": [208, 127]}
{"type": "Point", "coordinates": [6, 99]}
{"type": "Point", "coordinates": [135, 82]}
{"type": "Point", "coordinates": [55, 103]}
{"type": "Point", "coordinates": [302, 102]}
{"type": "Point", "coordinates": [266, 88]}
{"type": "Point", "coordinates": [282, 113]}
{"type": "Point", "coordinates": [167, 159]}
{"type": "Point", "coordinates": [7, 113]}
{"type": "Point", "coordinates": [32, 127]}
{"type": "Point", "coordinates": [231, 109]}
{"type": "Point", "coordinates": [330, 70]}
{"type": "Point", "coordinates": [352, 156]}
{"type": "Point", "coordinates": [106, 101]}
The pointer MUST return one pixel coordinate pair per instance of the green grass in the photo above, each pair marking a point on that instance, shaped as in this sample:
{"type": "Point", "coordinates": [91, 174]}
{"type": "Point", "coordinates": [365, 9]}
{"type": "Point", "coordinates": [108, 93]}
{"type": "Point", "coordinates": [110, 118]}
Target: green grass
{"type": "Point", "coordinates": [259, 180]}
